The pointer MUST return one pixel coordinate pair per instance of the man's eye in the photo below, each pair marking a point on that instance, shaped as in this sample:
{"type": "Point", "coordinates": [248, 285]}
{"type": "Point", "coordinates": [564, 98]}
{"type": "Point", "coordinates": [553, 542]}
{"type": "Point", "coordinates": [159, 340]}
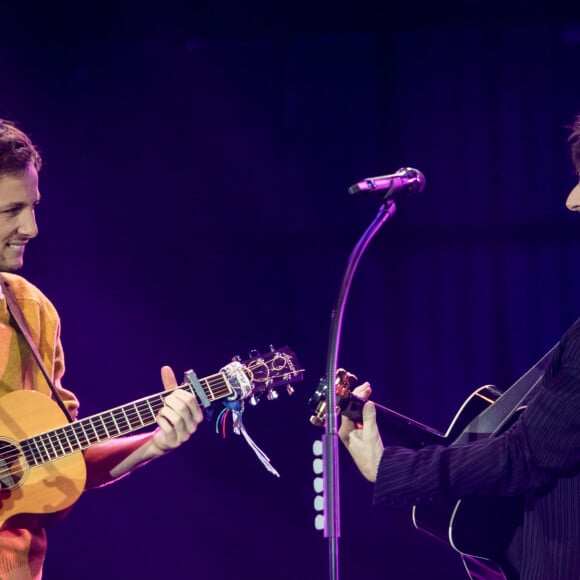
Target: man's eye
{"type": "Point", "coordinates": [11, 211]}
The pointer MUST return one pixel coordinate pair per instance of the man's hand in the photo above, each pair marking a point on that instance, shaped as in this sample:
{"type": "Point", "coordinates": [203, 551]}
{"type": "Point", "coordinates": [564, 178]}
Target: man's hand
{"type": "Point", "coordinates": [179, 417]}
{"type": "Point", "coordinates": [177, 420]}
{"type": "Point", "coordinates": [363, 442]}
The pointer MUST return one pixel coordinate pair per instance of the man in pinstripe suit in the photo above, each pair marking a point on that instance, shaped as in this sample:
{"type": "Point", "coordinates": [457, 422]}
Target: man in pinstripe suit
{"type": "Point", "coordinates": [537, 460]}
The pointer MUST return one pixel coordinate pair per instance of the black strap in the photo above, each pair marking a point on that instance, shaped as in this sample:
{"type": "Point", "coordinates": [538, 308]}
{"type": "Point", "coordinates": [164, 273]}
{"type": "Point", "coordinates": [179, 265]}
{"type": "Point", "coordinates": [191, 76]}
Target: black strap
{"type": "Point", "coordinates": [18, 317]}
{"type": "Point", "coordinates": [494, 418]}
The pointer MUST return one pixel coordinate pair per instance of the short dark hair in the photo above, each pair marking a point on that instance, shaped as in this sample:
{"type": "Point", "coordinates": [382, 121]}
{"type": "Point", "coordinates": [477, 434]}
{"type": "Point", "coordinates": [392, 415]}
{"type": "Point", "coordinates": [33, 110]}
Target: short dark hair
{"type": "Point", "coordinates": [574, 140]}
{"type": "Point", "coordinates": [16, 150]}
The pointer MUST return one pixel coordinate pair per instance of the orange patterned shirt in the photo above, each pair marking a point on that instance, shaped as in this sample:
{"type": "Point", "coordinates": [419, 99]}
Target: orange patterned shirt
{"type": "Point", "coordinates": [22, 550]}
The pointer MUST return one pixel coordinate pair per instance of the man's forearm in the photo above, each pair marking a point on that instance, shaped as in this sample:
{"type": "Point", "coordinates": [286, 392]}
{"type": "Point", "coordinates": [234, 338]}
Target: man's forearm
{"type": "Point", "coordinates": [119, 457]}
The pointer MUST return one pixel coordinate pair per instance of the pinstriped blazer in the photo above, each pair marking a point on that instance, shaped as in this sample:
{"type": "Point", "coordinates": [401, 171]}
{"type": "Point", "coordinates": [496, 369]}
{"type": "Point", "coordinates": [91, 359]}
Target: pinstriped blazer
{"type": "Point", "coordinates": [538, 458]}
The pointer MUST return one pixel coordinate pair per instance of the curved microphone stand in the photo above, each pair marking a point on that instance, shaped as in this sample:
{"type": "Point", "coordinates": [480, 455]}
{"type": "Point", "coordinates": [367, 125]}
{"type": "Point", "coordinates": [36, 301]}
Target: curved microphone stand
{"type": "Point", "coordinates": [405, 180]}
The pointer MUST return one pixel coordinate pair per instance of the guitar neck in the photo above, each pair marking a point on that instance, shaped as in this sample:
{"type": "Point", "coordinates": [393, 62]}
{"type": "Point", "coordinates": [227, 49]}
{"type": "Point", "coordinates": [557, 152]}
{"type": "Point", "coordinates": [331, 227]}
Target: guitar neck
{"type": "Point", "coordinates": [123, 420]}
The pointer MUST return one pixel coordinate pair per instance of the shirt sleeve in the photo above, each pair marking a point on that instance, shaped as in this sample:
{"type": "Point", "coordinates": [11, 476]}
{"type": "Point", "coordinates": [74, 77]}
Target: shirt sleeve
{"type": "Point", "coordinates": [543, 444]}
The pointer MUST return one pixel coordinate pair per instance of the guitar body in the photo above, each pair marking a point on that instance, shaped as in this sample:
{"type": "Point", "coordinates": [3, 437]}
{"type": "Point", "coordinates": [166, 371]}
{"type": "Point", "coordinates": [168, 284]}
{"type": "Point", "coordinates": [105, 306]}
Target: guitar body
{"type": "Point", "coordinates": [27, 492]}
{"type": "Point", "coordinates": [479, 529]}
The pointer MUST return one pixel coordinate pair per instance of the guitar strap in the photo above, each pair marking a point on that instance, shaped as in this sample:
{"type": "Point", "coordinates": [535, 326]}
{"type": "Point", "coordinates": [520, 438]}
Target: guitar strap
{"type": "Point", "coordinates": [22, 326]}
{"type": "Point", "coordinates": [495, 417]}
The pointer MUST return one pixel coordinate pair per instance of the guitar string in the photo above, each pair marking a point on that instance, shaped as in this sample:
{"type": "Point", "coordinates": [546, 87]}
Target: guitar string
{"type": "Point", "coordinates": [129, 411]}
{"type": "Point", "coordinates": [129, 415]}
{"type": "Point", "coordinates": [48, 444]}
{"type": "Point", "coordinates": [108, 425]}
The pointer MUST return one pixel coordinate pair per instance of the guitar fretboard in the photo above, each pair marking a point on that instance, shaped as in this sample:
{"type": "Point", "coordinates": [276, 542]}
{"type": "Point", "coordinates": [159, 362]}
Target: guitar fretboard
{"type": "Point", "coordinates": [123, 420]}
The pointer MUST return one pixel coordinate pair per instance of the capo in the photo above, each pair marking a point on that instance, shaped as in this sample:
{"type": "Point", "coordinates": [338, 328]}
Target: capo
{"type": "Point", "coordinates": [191, 378]}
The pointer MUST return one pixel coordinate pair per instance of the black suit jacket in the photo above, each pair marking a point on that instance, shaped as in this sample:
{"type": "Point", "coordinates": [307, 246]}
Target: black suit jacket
{"type": "Point", "coordinates": [537, 459]}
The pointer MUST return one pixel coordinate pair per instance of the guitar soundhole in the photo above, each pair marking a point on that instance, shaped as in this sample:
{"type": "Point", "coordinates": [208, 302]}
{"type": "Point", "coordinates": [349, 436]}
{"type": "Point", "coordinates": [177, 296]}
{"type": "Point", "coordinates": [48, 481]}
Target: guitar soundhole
{"type": "Point", "coordinates": [12, 465]}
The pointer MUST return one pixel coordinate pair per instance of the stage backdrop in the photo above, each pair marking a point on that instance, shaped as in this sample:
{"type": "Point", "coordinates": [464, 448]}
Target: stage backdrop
{"type": "Point", "coordinates": [195, 207]}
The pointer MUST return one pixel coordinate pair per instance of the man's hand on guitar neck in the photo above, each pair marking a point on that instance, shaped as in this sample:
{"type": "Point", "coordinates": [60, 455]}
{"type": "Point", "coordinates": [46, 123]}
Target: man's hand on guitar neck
{"type": "Point", "coordinates": [363, 441]}
{"type": "Point", "coordinates": [177, 420]}
{"type": "Point", "coordinates": [179, 417]}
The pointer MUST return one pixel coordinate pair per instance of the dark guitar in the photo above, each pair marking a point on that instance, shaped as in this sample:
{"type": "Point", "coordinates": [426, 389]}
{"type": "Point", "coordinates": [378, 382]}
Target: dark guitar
{"type": "Point", "coordinates": [42, 470]}
{"type": "Point", "coordinates": [480, 530]}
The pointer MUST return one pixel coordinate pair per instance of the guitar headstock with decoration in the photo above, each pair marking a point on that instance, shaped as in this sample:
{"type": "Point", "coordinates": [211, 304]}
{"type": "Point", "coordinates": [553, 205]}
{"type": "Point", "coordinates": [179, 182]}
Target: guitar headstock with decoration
{"type": "Point", "coordinates": [250, 379]}
{"type": "Point", "coordinates": [240, 381]}
{"type": "Point", "coordinates": [346, 403]}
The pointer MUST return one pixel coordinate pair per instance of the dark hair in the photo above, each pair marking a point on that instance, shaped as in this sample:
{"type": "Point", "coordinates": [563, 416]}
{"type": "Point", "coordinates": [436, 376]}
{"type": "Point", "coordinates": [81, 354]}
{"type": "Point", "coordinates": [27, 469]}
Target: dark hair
{"type": "Point", "coordinates": [574, 140]}
{"type": "Point", "coordinates": [16, 150]}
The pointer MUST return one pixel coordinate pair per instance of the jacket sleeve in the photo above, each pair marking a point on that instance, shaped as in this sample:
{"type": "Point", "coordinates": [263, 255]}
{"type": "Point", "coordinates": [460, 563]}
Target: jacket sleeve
{"type": "Point", "coordinates": [543, 444]}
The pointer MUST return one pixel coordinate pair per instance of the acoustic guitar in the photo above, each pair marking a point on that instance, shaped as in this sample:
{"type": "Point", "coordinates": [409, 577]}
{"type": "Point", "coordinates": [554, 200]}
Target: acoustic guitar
{"type": "Point", "coordinates": [42, 470]}
{"type": "Point", "coordinates": [479, 529]}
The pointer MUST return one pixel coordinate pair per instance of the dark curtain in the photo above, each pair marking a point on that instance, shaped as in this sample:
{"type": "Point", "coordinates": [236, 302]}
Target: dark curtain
{"type": "Point", "coordinates": [195, 207]}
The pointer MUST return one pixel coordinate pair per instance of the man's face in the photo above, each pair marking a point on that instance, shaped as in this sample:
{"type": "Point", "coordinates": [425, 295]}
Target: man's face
{"type": "Point", "coordinates": [18, 198]}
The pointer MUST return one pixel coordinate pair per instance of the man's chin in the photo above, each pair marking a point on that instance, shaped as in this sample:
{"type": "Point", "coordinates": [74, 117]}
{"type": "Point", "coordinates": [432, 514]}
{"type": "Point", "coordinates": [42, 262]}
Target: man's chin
{"type": "Point", "coordinates": [10, 267]}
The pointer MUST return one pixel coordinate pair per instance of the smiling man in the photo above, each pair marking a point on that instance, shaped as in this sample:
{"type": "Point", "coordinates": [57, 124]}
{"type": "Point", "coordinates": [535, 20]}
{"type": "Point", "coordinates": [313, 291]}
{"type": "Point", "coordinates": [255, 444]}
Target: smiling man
{"type": "Point", "coordinates": [19, 196]}
{"type": "Point", "coordinates": [23, 540]}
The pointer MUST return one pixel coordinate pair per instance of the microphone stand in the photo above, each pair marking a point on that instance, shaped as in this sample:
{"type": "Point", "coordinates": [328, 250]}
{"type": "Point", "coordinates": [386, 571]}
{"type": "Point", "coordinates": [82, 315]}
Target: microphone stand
{"type": "Point", "coordinates": [330, 439]}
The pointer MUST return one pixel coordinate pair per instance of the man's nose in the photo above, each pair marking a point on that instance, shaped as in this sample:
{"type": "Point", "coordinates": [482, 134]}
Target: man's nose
{"type": "Point", "coordinates": [27, 225]}
{"type": "Point", "coordinates": [573, 200]}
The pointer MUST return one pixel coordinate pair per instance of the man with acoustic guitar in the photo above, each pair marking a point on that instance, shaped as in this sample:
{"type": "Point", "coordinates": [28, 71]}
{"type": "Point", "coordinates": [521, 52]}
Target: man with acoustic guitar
{"type": "Point", "coordinates": [22, 537]}
{"type": "Point", "coordinates": [531, 469]}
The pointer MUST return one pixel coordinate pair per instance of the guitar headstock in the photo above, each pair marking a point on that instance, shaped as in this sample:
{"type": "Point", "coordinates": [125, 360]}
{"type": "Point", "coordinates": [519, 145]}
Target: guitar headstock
{"type": "Point", "coordinates": [264, 373]}
{"type": "Point", "coordinates": [346, 403]}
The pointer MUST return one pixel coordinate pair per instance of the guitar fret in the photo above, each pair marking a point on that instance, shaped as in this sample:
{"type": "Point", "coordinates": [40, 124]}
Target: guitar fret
{"type": "Point", "coordinates": [126, 420]}
{"type": "Point", "coordinates": [57, 440]}
{"type": "Point", "coordinates": [87, 438]}
{"type": "Point", "coordinates": [128, 417]}
{"type": "Point", "coordinates": [139, 415]}
{"type": "Point", "coordinates": [130, 414]}
{"type": "Point", "coordinates": [96, 434]}
{"type": "Point", "coordinates": [62, 451]}
{"type": "Point", "coordinates": [222, 386]}
{"type": "Point", "coordinates": [103, 429]}
{"type": "Point", "coordinates": [39, 458]}
{"type": "Point", "coordinates": [66, 430]}
{"type": "Point", "coordinates": [27, 451]}
{"type": "Point", "coordinates": [117, 430]}
{"type": "Point", "coordinates": [208, 390]}
{"type": "Point", "coordinates": [80, 435]}
{"type": "Point", "coordinates": [120, 421]}
{"type": "Point", "coordinates": [92, 434]}
{"type": "Point", "coordinates": [30, 456]}
{"type": "Point", "coordinates": [45, 445]}
{"type": "Point", "coordinates": [108, 427]}
{"type": "Point", "coordinates": [41, 449]}
{"type": "Point", "coordinates": [108, 435]}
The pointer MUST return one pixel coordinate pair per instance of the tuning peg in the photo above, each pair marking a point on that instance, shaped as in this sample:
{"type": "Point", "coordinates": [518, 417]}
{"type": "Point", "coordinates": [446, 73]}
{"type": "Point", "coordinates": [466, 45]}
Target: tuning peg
{"type": "Point", "coordinates": [254, 353]}
{"type": "Point", "coordinates": [272, 348]}
{"type": "Point", "coordinates": [237, 358]}
{"type": "Point", "coordinates": [290, 389]}
{"type": "Point", "coordinates": [272, 395]}
{"type": "Point", "coordinates": [254, 401]}
{"type": "Point", "coordinates": [316, 421]}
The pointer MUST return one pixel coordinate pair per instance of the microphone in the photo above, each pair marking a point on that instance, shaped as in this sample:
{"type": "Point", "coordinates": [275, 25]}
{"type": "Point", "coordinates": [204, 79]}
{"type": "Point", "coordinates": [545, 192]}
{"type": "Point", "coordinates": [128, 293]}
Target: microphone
{"type": "Point", "coordinates": [406, 180]}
